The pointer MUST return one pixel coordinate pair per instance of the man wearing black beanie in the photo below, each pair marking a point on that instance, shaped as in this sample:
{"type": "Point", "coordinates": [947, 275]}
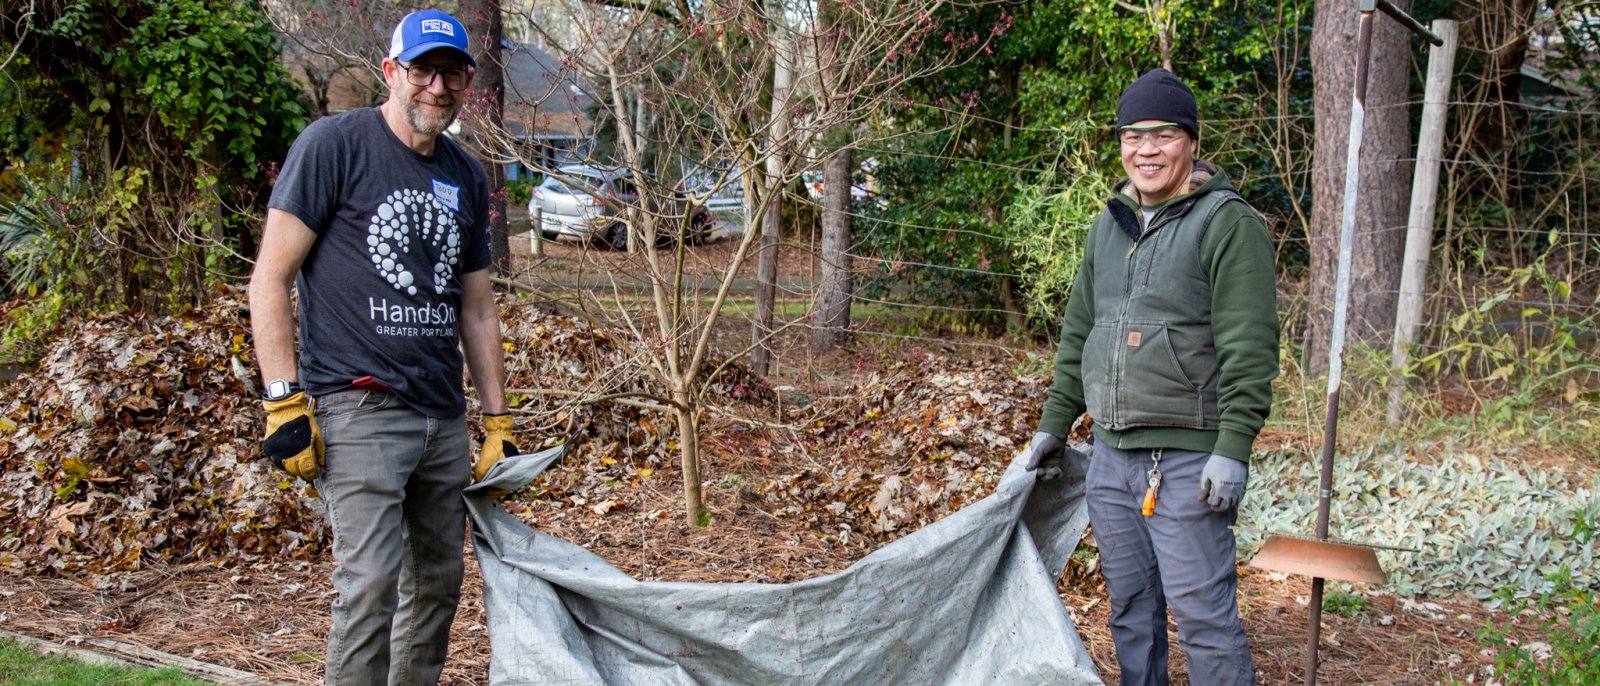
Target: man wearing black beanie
{"type": "Point", "coordinates": [1170, 343]}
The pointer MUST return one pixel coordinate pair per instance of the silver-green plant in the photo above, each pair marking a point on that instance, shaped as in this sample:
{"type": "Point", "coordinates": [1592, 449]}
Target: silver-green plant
{"type": "Point", "coordinates": [1477, 524]}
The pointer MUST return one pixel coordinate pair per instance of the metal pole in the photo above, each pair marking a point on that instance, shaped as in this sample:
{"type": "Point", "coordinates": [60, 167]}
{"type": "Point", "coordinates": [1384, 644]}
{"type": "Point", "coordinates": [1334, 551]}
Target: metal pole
{"type": "Point", "coordinates": [1407, 21]}
{"type": "Point", "coordinates": [1341, 307]}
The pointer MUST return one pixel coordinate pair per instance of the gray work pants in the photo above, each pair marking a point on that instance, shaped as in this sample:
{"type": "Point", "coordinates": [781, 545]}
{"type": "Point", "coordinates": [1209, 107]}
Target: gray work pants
{"type": "Point", "coordinates": [393, 490]}
{"type": "Point", "coordinates": [1181, 559]}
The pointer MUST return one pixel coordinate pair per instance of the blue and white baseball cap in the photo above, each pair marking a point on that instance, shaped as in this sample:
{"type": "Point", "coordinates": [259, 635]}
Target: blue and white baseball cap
{"type": "Point", "coordinates": [426, 30]}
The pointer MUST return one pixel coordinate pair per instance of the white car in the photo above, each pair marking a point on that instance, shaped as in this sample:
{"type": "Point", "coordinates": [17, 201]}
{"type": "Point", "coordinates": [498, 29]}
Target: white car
{"type": "Point", "coordinates": [584, 202]}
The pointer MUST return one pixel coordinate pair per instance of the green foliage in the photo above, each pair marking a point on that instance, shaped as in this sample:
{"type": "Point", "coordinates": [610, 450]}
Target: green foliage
{"type": "Point", "coordinates": [1482, 525]}
{"type": "Point", "coordinates": [520, 191]}
{"type": "Point", "coordinates": [48, 257]}
{"type": "Point", "coordinates": [20, 666]}
{"type": "Point", "coordinates": [1525, 351]}
{"type": "Point", "coordinates": [1569, 652]}
{"type": "Point", "coordinates": [1345, 603]}
{"type": "Point", "coordinates": [1050, 222]}
{"type": "Point", "coordinates": [174, 109]}
{"type": "Point", "coordinates": [1028, 124]}
{"type": "Point", "coordinates": [25, 335]}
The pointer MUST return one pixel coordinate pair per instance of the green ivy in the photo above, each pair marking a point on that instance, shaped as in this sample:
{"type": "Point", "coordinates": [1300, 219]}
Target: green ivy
{"type": "Point", "coordinates": [166, 113]}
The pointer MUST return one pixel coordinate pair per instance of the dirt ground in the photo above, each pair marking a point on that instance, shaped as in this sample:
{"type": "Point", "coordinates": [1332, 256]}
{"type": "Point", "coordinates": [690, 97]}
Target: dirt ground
{"type": "Point", "coordinates": [272, 621]}
{"type": "Point", "coordinates": [271, 618]}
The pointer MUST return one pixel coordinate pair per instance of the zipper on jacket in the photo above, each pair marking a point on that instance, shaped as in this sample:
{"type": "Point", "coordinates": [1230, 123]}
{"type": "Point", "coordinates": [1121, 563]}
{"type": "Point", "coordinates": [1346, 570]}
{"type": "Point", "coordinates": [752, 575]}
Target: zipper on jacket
{"type": "Point", "coordinates": [1119, 358]}
{"type": "Point", "coordinates": [1120, 347]}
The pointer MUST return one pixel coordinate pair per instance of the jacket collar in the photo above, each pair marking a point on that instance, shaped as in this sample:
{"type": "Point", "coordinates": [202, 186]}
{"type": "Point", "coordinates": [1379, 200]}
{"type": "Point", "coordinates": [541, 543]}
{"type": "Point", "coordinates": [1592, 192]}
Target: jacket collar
{"type": "Point", "coordinates": [1124, 202]}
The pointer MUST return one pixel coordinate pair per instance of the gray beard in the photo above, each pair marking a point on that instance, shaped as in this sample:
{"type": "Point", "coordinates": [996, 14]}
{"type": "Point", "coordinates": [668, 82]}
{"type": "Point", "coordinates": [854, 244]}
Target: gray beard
{"type": "Point", "coordinates": [422, 124]}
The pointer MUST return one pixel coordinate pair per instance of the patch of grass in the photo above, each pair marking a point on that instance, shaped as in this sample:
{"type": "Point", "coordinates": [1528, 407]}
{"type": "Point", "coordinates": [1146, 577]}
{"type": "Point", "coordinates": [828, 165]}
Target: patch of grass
{"type": "Point", "coordinates": [20, 666]}
{"type": "Point", "coordinates": [1347, 604]}
{"type": "Point", "coordinates": [1569, 653]}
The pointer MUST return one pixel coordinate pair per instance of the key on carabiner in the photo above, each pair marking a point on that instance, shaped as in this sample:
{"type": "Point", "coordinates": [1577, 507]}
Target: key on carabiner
{"type": "Point", "coordinates": [1150, 493]}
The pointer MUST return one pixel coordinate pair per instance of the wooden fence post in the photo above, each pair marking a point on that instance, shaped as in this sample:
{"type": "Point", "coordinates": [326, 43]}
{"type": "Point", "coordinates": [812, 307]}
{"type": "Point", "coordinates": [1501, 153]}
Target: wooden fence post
{"type": "Point", "coordinates": [1424, 202]}
{"type": "Point", "coordinates": [537, 217]}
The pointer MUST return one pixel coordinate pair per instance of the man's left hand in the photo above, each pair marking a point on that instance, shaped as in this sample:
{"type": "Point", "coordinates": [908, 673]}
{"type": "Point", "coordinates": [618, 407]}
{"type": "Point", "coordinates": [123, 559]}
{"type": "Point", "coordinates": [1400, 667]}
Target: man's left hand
{"type": "Point", "coordinates": [1222, 482]}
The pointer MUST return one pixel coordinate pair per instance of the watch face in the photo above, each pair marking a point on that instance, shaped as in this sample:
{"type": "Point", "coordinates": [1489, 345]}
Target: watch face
{"type": "Point", "coordinates": [279, 389]}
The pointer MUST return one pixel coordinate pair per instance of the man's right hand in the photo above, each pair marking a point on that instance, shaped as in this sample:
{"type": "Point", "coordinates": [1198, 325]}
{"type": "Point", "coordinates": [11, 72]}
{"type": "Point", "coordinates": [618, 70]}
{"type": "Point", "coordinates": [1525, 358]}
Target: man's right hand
{"type": "Point", "coordinates": [293, 442]}
{"type": "Point", "coordinates": [1045, 454]}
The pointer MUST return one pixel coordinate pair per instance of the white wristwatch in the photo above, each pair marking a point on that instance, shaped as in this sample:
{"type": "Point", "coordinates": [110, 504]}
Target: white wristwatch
{"type": "Point", "coordinates": [278, 389]}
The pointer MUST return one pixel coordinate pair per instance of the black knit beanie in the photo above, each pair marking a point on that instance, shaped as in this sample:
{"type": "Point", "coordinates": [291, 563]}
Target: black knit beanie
{"type": "Point", "coordinates": [1159, 95]}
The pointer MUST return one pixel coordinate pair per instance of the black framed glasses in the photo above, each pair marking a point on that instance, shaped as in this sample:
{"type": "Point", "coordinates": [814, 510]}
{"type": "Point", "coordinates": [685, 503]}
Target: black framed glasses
{"type": "Point", "coordinates": [422, 76]}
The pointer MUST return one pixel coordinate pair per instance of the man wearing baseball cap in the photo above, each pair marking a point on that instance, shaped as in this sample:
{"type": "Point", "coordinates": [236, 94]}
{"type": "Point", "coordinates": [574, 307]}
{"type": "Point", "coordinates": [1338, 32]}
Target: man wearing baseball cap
{"type": "Point", "coordinates": [1170, 342]}
{"type": "Point", "coordinates": [382, 224]}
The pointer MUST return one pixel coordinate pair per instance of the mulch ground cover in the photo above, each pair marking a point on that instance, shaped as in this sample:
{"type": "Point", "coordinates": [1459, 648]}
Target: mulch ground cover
{"type": "Point", "coordinates": [133, 505]}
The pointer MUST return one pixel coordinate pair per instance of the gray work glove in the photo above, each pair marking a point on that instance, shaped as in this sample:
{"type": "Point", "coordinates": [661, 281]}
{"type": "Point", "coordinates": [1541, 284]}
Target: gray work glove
{"type": "Point", "coordinates": [1222, 482]}
{"type": "Point", "coordinates": [1045, 454]}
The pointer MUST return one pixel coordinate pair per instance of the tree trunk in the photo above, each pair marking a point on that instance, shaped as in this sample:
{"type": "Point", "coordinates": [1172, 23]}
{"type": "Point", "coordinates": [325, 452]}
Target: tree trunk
{"type": "Point", "coordinates": [832, 324]}
{"type": "Point", "coordinates": [1385, 171]}
{"type": "Point", "coordinates": [689, 451]}
{"type": "Point", "coordinates": [486, 103]}
{"type": "Point", "coordinates": [766, 279]}
{"type": "Point", "coordinates": [1016, 318]}
{"type": "Point", "coordinates": [772, 220]}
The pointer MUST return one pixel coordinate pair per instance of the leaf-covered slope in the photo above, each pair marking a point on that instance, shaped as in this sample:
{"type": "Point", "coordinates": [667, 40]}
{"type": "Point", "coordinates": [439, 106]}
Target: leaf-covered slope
{"type": "Point", "coordinates": [135, 440]}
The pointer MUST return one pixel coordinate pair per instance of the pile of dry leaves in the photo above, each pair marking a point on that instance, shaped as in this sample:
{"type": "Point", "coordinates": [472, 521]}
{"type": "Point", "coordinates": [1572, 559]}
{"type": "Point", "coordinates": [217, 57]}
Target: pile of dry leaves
{"type": "Point", "coordinates": [796, 485]}
{"type": "Point", "coordinates": [136, 442]}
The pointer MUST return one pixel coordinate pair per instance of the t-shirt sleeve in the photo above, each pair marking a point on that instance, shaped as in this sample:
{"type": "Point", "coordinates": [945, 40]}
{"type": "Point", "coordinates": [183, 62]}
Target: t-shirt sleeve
{"type": "Point", "coordinates": [312, 178]}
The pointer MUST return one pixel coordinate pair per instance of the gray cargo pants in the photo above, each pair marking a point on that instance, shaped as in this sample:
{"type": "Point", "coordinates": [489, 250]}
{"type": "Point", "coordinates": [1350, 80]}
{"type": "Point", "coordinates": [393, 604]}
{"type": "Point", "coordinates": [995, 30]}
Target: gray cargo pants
{"type": "Point", "coordinates": [1182, 559]}
{"type": "Point", "coordinates": [393, 490]}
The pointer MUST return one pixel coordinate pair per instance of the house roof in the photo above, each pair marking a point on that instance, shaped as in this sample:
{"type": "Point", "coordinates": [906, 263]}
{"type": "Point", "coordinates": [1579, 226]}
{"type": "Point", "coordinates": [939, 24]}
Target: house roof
{"type": "Point", "coordinates": [543, 95]}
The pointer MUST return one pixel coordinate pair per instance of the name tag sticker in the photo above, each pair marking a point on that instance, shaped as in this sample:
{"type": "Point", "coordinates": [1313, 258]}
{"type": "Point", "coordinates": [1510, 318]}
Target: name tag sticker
{"type": "Point", "coordinates": [1135, 338]}
{"type": "Point", "coordinates": [447, 195]}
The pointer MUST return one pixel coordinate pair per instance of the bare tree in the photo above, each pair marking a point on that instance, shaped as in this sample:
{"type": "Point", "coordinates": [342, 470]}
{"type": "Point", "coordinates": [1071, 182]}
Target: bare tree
{"type": "Point", "coordinates": [334, 48]}
{"type": "Point", "coordinates": [1163, 18]}
{"type": "Point", "coordinates": [686, 86]}
{"type": "Point", "coordinates": [832, 311]}
{"type": "Point", "coordinates": [771, 222]}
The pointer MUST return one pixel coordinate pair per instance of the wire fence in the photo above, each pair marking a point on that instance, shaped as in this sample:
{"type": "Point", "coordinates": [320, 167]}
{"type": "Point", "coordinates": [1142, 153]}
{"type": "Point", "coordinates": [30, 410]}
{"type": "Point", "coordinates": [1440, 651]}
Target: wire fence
{"type": "Point", "coordinates": [1508, 274]}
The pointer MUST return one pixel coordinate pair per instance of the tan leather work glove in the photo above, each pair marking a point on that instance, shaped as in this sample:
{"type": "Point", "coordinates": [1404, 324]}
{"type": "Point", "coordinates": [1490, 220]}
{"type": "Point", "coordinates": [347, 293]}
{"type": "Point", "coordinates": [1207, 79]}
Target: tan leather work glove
{"type": "Point", "coordinates": [293, 441]}
{"type": "Point", "coordinates": [497, 443]}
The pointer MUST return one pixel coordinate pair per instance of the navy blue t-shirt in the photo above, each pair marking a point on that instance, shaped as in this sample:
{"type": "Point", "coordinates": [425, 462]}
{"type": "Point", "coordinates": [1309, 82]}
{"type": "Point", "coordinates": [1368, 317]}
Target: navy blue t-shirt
{"type": "Point", "coordinates": [380, 292]}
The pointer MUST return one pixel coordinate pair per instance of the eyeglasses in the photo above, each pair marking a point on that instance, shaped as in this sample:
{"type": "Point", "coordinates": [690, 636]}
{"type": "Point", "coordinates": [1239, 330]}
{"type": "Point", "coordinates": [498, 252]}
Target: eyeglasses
{"type": "Point", "coordinates": [422, 76]}
{"type": "Point", "coordinates": [1162, 137]}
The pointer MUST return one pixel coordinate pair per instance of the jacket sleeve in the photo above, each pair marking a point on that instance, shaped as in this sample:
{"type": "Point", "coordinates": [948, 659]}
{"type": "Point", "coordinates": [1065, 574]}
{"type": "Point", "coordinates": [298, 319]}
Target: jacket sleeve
{"type": "Point", "coordinates": [1064, 402]}
{"type": "Point", "coordinates": [1238, 257]}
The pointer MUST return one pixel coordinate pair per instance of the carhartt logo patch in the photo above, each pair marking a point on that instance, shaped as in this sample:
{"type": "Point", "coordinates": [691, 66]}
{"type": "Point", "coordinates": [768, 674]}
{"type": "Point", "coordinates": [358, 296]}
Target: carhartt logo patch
{"type": "Point", "coordinates": [1134, 339]}
{"type": "Point", "coordinates": [438, 26]}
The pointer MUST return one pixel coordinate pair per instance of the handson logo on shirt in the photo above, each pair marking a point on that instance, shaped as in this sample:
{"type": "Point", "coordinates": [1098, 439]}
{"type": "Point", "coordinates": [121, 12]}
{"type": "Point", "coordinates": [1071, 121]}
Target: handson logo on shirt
{"type": "Point", "coordinates": [408, 217]}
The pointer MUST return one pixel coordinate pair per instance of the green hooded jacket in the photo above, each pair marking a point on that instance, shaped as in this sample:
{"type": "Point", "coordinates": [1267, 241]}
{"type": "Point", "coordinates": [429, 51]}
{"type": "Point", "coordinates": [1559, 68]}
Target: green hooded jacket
{"type": "Point", "coordinates": [1170, 338]}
